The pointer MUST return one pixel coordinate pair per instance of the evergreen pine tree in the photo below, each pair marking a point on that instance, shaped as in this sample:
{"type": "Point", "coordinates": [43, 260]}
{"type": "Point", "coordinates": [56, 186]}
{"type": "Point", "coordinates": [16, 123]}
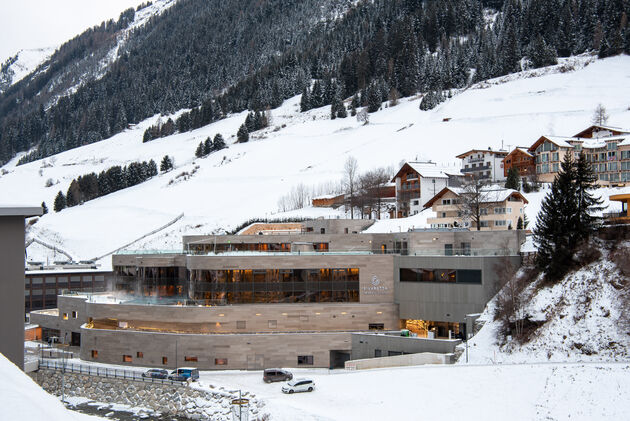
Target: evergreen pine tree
{"type": "Point", "coordinates": [519, 223]}
{"type": "Point", "coordinates": [207, 146]}
{"type": "Point", "coordinates": [218, 143]}
{"type": "Point", "coordinates": [305, 104]}
{"type": "Point", "coordinates": [242, 135]}
{"type": "Point", "coordinates": [199, 151]}
{"type": "Point", "coordinates": [513, 179]}
{"type": "Point", "coordinates": [152, 170]}
{"type": "Point", "coordinates": [166, 164]}
{"type": "Point", "coordinates": [44, 208]}
{"type": "Point", "coordinates": [555, 224]}
{"type": "Point", "coordinates": [60, 202]}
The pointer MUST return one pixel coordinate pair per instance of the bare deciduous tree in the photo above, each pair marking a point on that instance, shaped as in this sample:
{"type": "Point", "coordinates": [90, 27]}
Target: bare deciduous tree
{"type": "Point", "coordinates": [372, 185]}
{"type": "Point", "coordinates": [600, 117]}
{"type": "Point", "coordinates": [474, 201]}
{"type": "Point", "coordinates": [350, 169]}
{"type": "Point", "coordinates": [363, 116]}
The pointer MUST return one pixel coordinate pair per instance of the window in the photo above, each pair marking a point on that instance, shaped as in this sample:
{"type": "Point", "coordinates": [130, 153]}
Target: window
{"type": "Point", "coordinates": [74, 315]}
{"type": "Point", "coordinates": [415, 203]}
{"type": "Point", "coordinates": [220, 361]}
{"type": "Point", "coordinates": [544, 168]}
{"type": "Point", "coordinates": [483, 224]}
{"type": "Point", "coordinates": [446, 201]}
{"type": "Point", "coordinates": [139, 354]}
{"type": "Point", "coordinates": [555, 167]}
{"type": "Point", "coordinates": [65, 316]}
{"type": "Point", "coordinates": [483, 211]}
{"type": "Point", "coordinates": [189, 358]}
{"type": "Point", "coordinates": [500, 223]}
{"type": "Point", "coordinates": [499, 210]}
{"type": "Point", "coordinates": [164, 360]}
{"type": "Point", "coordinates": [305, 360]}
{"type": "Point", "coordinates": [612, 166]}
{"type": "Point", "coordinates": [322, 230]}
{"type": "Point", "coordinates": [94, 353]}
{"type": "Point", "coordinates": [443, 214]}
{"type": "Point", "coordinates": [240, 324]}
{"type": "Point", "coordinates": [376, 326]}
{"type": "Point", "coordinates": [545, 157]}
{"type": "Point", "coordinates": [126, 358]}
{"type": "Point", "coordinates": [555, 156]}
{"type": "Point", "coordinates": [393, 353]}
{"type": "Point", "coordinates": [448, 249]}
{"type": "Point", "coordinates": [272, 324]}
{"type": "Point", "coordinates": [378, 353]}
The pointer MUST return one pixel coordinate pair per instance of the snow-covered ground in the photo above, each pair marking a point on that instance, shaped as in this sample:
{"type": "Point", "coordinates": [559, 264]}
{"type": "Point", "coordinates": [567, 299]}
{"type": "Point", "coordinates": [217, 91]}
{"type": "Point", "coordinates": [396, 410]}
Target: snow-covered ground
{"type": "Point", "coordinates": [22, 399]}
{"type": "Point", "coordinates": [27, 61]}
{"type": "Point", "coordinates": [246, 180]}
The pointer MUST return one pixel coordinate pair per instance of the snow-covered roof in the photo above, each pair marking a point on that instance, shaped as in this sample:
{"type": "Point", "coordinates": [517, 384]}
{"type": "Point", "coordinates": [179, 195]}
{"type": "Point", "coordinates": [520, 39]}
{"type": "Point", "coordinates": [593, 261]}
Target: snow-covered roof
{"type": "Point", "coordinates": [432, 170]}
{"type": "Point", "coordinates": [490, 151]}
{"type": "Point", "coordinates": [563, 141]}
{"type": "Point", "coordinates": [490, 194]}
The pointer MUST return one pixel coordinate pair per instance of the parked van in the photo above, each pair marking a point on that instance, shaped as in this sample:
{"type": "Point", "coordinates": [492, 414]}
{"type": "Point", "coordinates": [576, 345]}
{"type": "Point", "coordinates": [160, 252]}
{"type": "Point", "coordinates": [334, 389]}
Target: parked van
{"type": "Point", "coordinates": [183, 374]}
{"type": "Point", "coordinates": [276, 375]}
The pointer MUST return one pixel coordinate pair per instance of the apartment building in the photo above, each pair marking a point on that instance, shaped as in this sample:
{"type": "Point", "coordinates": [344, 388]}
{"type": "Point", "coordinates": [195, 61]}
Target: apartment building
{"type": "Point", "coordinates": [484, 164]}
{"type": "Point", "coordinates": [500, 209]}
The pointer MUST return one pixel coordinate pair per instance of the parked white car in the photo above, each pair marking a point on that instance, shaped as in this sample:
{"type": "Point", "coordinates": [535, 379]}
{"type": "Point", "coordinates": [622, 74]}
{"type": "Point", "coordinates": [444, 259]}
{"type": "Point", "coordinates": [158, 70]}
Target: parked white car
{"type": "Point", "coordinates": [299, 385]}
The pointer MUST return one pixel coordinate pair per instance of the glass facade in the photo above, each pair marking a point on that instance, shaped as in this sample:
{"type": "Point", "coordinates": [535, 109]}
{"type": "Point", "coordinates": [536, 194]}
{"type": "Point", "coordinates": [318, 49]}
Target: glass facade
{"type": "Point", "coordinates": [246, 286]}
{"type": "Point", "coordinates": [458, 276]}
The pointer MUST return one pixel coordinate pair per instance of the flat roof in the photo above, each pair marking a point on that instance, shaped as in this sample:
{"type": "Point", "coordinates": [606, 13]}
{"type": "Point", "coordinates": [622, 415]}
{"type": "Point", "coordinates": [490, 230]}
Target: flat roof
{"type": "Point", "coordinates": [25, 211]}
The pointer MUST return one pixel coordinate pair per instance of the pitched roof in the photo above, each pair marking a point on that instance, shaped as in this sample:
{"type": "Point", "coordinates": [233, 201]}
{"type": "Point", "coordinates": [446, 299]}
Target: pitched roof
{"type": "Point", "coordinates": [465, 154]}
{"type": "Point", "coordinates": [429, 170]}
{"type": "Point", "coordinates": [597, 126]}
{"type": "Point", "coordinates": [560, 141]}
{"type": "Point", "coordinates": [491, 194]}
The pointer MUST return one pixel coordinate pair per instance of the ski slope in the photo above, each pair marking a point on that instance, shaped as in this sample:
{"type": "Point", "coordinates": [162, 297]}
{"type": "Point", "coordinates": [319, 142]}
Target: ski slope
{"type": "Point", "coordinates": [246, 180]}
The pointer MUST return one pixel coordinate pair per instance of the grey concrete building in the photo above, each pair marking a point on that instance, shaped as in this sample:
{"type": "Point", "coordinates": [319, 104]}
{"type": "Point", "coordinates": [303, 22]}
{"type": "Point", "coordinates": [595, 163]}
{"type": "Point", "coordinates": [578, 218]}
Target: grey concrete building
{"type": "Point", "coordinates": [291, 300]}
{"type": "Point", "coordinates": [12, 281]}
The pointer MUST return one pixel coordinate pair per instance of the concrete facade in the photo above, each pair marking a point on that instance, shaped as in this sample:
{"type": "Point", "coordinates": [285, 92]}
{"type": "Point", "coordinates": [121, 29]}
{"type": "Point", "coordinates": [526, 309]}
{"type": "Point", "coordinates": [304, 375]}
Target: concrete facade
{"type": "Point", "coordinates": [370, 345]}
{"type": "Point", "coordinates": [449, 302]}
{"type": "Point", "coordinates": [12, 281]}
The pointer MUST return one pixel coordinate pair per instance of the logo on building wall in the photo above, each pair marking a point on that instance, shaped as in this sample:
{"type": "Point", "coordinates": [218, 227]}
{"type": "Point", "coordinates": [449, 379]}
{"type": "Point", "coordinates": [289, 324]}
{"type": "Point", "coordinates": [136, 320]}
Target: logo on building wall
{"type": "Point", "coordinates": [375, 287]}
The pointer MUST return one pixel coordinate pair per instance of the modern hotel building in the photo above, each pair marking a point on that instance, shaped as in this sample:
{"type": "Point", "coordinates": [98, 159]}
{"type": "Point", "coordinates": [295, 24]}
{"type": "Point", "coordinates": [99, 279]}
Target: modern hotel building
{"type": "Point", "coordinates": [290, 300]}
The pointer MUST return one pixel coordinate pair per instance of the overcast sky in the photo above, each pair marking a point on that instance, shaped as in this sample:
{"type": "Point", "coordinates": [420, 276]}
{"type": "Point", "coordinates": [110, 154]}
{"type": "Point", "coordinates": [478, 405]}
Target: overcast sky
{"type": "Point", "coordinates": [26, 24]}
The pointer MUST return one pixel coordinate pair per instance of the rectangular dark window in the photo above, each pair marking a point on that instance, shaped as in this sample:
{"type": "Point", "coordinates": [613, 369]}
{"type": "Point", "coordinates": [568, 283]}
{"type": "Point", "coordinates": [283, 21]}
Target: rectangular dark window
{"type": "Point", "coordinates": [448, 249]}
{"type": "Point", "coordinates": [139, 354]}
{"type": "Point", "coordinates": [189, 358]}
{"type": "Point", "coordinates": [393, 353]}
{"type": "Point", "coordinates": [240, 324]}
{"type": "Point", "coordinates": [378, 353]}
{"type": "Point", "coordinates": [305, 360]}
{"type": "Point", "coordinates": [220, 361]}
{"type": "Point", "coordinates": [94, 353]}
{"type": "Point", "coordinates": [126, 358]}
{"type": "Point", "coordinates": [376, 326]}
{"type": "Point", "coordinates": [164, 360]}
{"type": "Point", "coordinates": [459, 276]}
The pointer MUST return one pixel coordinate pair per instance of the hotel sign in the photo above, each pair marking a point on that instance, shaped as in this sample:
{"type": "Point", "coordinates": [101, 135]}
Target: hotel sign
{"type": "Point", "coordinates": [375, 287]}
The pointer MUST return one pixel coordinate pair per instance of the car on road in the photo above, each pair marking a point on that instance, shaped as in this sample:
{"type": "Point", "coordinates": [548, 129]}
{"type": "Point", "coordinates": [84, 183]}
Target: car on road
{"type": "Point", "coordinates": [183, 374]}
{"type": "Point", "coordinates": [299, 385]}
{"type": "Point", "coordinates": [155, 373]}
{"type": "Point", "coordinates": [276, 375]}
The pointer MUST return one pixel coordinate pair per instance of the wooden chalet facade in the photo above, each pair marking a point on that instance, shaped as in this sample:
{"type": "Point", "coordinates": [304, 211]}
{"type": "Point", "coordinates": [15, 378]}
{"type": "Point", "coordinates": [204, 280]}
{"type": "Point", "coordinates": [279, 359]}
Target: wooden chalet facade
{"type": "Point", "coordinates": [520, 159]}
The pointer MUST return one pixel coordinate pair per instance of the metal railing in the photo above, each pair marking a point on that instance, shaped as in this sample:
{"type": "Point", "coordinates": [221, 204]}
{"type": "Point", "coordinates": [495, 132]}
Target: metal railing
{"type": "Point", "coordinates": [113, 373]}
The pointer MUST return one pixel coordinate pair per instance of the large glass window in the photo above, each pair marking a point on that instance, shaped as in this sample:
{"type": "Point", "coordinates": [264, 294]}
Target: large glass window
{"type": "Point", "coordinates": [276, 286]}
{"type": "Point", "coordinates": [458, 276]}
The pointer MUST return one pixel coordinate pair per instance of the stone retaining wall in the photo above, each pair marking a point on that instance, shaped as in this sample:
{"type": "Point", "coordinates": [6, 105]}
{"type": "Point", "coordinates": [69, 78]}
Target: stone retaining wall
{"type": "Point", "coordinates": [184, 401]}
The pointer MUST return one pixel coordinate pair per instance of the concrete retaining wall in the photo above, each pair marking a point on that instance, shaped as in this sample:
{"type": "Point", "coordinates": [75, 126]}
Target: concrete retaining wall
{"type": "Point", "coordinates": [182, 401]}
{"type": "Point", "coordinates": [400, 361]}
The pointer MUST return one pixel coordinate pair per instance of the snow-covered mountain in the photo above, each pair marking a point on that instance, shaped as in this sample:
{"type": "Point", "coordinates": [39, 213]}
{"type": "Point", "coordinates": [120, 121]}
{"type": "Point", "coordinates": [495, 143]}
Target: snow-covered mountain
{"type": "Point", "coordinates": [246, 180]}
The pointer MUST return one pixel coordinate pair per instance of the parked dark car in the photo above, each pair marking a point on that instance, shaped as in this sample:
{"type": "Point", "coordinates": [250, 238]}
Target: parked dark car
{"type": "Point", "coordinates": [155, 373]}
{"type": "Point", "coordinates": [183, 374]}
{"type": "Point", "coordinates": [276, 375]}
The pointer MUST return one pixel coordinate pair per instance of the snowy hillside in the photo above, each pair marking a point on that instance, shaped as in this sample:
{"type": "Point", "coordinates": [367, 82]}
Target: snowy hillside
{"type": "Point", "coordinates": [22, 399]}
{"type": "Point", "coordinates": [583, 318]}
{"type": "Point", "coordinates": [246, 180]}
{"type": "Point", "coordinates": [25, 62]}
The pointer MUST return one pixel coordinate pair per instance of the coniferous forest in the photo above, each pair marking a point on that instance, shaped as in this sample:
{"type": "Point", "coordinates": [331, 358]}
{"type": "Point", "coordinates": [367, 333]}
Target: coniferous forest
{"type": "Point", "coordinates": [217, 57]}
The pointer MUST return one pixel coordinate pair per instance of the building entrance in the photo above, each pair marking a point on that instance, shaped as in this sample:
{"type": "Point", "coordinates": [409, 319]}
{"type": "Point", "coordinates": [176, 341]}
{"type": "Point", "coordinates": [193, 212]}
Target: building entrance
{"type": "Point", "coordinates": [338, 358]}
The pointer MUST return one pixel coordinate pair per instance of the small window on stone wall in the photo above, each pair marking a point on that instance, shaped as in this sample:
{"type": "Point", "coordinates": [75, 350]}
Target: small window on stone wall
{"type": "Point", "coordinates": [164, 360]}
{"type": "Point", "coordinates": [65, 316]}
{"type": "Point", "coordinates": [240, 324]}
{"type": "Point", "coordinates": [189, 358]}
{"type": "Point", "coordinates": [74, 315]}
{"type": "Point", "coordinates": [139, 354]}
{"type": "Point", "coordinates": [305, 360]}
{"type": "Point", "coordinates": [126, 358]}
{"type": "Point", "coordinates": [94, 353]}
{"type": "Point", "coordinates": [220, 361]}
{"type": "Point", "coordinates": [272, 324]}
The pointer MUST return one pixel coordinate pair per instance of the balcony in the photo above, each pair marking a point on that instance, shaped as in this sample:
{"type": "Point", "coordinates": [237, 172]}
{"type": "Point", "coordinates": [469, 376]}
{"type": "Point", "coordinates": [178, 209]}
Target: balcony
{"type": "Point", "coordinates": [471, 159]}
{"type": "Point", "coordinates": [482, 168]}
